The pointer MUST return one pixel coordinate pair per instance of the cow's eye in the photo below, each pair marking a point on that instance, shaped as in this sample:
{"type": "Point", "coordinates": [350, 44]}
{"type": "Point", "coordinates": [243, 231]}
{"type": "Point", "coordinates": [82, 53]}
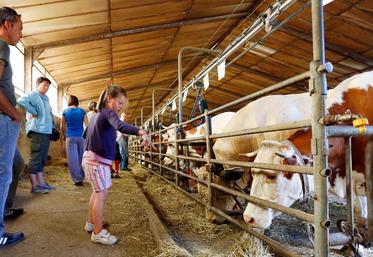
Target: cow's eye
{"type": "Point", "coordinates": [271, 177]}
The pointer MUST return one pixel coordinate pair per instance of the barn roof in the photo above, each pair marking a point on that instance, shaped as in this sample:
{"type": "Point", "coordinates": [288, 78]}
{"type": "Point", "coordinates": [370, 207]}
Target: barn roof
{"type": "Point", "coordinates": [86, 45]}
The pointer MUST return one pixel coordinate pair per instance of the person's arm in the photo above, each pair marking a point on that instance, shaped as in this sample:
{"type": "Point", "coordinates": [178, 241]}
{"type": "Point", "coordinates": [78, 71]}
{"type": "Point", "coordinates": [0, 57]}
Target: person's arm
{"type": "Point", "coordinates": [5, 106]}
{"type": "Point", "coordinates": [127, 128]}
{"type": "Point", "coordinates": [63, 128]}
{"type": "Point", "coordinates": [26, 102]}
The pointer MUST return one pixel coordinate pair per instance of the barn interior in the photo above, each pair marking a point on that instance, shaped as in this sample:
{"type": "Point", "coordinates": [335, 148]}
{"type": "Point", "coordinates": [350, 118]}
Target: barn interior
{"type": "Point", "coordinates": [84, 47]}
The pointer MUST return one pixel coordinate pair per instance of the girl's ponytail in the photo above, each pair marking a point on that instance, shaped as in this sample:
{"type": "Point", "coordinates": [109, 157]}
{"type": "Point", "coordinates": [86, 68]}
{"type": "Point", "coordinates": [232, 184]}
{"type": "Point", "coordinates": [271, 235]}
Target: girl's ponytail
{"type": "Point", "coordinates": [102, 100]}
{"type": "Point", "coordinates": [112, 90]}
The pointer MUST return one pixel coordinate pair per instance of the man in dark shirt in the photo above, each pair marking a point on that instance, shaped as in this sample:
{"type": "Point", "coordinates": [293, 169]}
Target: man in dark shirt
{"type": "Point", "coordinates": [10, 34]}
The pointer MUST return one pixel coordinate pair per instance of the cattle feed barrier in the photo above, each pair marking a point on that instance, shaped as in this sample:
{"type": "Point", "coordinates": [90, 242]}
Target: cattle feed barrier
{"type": "Point", "coordinates": [318, 90]}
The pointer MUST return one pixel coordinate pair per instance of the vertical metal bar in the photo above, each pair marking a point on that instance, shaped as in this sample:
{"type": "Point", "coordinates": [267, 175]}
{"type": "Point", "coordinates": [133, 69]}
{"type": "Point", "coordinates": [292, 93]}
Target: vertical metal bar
{"type": "Point", "coordinates": [180, 73]}
{"type": "Point", "coordinates": [142, 117]}
{"type": "Point", "coordinates": [176, 159]}
{"type": "Point", "coordinates": [350, 197]}
{"type": "Point", "coordinates": [318, 90]}
{"type": "Point", "coordinates": [208, 157]}
{"type": "Point", "coordinates": [369, 186]}
{"type": "Point", "coordinates": [153, 110]}
{"type": "Point", "coordinates": [160, 152]}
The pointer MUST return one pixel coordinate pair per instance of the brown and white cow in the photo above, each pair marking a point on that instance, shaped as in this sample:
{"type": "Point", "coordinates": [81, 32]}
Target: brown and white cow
{"type": "Point", "coordinates": [265, 111]}
{"type": "Point", "coordinates": [218, 122]}
{"type": "Point", "coordinates": [354, 94]}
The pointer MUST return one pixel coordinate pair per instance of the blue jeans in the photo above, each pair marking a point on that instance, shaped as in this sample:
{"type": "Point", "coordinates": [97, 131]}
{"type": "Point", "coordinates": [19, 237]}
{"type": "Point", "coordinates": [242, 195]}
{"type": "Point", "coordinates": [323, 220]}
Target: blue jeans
{"type": "Point", "coordinates": [123, 150]}
{"type": "Point", "coordinates": [75, 150]}
{"type": "Point", "coordinates": [18, 167]}
{"type": "Point", "coordinates": [8, 141]}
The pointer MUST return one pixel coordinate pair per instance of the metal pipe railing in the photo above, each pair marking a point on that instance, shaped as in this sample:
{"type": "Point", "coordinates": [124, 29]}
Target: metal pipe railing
{"type": "Point", "coordinates": [247, 34]}
{"type": "Point", "coordinates": [275, 245]}
{"type": "Point", "coordinates": [318, 91]}
{"type": "Point", "coordinates": [153, 103]}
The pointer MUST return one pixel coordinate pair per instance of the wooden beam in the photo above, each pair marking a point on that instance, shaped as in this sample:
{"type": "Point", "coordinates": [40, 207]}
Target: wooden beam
{"type": "Point", "coordinates": [121, 72]}
{"type": "Point", "coordinates": [332, 47]}
{"type": "Point", "coordinates": [141, 30]}
{"type": "Point", "coordinates": [28, 69]}
{"type": "Point", "coordinates": [276, 79]}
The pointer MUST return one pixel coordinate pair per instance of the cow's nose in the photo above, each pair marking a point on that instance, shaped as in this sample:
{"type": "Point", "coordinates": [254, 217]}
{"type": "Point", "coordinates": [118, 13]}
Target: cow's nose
{"type": "Point", "coordinates": [249, 220]}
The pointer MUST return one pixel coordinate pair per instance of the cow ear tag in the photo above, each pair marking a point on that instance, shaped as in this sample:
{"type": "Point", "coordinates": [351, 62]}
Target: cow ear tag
{"type": "Point", "coordinates": [360, 123]}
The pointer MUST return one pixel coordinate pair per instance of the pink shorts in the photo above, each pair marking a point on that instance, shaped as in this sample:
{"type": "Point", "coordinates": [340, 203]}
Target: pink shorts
{"type": "Point", "coordinates": [97, 173]}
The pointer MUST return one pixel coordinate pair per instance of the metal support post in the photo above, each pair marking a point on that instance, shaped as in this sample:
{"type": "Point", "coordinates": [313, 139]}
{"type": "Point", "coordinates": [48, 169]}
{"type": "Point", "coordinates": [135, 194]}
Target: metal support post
{"type": "Point", "coordinates": [180, 73]}
{"type": "Point", "coordinates": [153, 103]}
{"type": "Point", "coordinates": [369, 187]}
{"type": "Point", "coordinates": [176, 159]}
{"type": "Point", "coordinates": [318, 90]}
{"type": "Point", "coordinates": [350, 198]}
{"type": "Point", "coordinates": [208, 164]}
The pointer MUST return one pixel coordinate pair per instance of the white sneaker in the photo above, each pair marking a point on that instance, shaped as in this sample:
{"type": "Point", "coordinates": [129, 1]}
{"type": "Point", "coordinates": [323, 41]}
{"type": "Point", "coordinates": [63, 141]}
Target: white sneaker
{"type": "Point", "coordinates": [104, 237]}
{"type": "Point", "coordinates": [88, 227]}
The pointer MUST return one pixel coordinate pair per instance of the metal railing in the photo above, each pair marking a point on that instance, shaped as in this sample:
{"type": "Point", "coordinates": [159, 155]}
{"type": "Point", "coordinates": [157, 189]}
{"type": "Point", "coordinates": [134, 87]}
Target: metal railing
{"type": "Point", "coordinates": [318, 90]}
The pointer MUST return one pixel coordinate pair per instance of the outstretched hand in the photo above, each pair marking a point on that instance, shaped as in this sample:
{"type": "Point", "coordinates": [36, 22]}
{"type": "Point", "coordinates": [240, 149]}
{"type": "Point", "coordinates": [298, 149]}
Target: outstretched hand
{"type": "Point", "coordinates": [146, 141]}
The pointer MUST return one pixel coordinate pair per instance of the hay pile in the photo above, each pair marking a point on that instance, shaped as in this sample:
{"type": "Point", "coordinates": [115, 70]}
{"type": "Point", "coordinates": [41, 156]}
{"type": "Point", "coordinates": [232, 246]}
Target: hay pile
{"type": "Point", "coordinates": [249, 246]}
{"type": "Point", "coordinates": [180, 211]}
{"type": "Point", "coordinates": [186, 217]}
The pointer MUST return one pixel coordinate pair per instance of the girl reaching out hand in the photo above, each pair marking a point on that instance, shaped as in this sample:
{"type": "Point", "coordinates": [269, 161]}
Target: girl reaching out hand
{"type": "Point", "coordinates": [99, 153]}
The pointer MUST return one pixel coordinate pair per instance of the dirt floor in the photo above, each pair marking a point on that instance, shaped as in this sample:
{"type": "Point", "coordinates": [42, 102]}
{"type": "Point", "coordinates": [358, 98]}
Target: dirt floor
{"type": "Point", "coordinates": [54, 223]}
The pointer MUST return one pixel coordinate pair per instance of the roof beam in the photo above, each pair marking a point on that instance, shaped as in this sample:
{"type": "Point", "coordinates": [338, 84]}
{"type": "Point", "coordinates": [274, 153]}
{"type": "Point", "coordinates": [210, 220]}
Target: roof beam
{"type": "Point", "coordinates": [332, 47]}
{"type": "Point", "coordinates": [140, 30]}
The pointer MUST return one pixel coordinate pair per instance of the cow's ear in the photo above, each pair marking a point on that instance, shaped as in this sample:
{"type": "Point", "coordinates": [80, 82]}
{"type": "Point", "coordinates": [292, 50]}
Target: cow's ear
{"type": "Point", "coordinates": [249, 155]}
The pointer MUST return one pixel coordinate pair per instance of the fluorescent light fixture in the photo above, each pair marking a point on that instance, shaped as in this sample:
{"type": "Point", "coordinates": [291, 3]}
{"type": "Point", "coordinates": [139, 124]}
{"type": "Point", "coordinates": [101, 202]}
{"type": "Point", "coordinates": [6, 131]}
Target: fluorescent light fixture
{"type": "Point", "coordinates": [206, 82]}
{"type": "Point", "coordinates": [221, 70]}
{"type": "Point", "coordinates": [325, 2]}
{"type": "Point", "coordinates": [173, 106]}
{"type": "Point", "coordinates": [185, 95]}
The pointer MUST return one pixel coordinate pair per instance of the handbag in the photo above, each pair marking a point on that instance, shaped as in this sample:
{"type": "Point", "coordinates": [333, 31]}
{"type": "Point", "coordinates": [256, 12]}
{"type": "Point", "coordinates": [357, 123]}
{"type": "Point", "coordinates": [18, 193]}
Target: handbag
{"type": "Point", "coordinates": [55, 134]}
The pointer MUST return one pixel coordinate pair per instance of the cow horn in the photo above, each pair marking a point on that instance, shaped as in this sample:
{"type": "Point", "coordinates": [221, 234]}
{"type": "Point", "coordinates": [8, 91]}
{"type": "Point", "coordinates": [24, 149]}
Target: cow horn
{"type": "Point", "coordinates": [249, 155]}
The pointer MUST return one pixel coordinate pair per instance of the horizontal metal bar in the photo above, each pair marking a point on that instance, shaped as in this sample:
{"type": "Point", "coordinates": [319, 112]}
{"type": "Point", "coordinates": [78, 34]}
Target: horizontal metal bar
{"type": "Point", "coordinates": [191, 139]}
{"type": "Point", "coordinates": [266, 204]}
{"type": "Point", "coordinates": [191, 158]}
{"type": "Point", "coordinates": [346, 131]}
{"type": "Point", "coordinates": [284, 126]}
{"type": "Point", "coordinates": [279, 167]}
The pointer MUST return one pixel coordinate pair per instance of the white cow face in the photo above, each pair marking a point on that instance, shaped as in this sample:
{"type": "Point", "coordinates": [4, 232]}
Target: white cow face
{"type": "Point", "coordinates": [277, 187]}
{"type": "Point", "coordinates": [171, 149]}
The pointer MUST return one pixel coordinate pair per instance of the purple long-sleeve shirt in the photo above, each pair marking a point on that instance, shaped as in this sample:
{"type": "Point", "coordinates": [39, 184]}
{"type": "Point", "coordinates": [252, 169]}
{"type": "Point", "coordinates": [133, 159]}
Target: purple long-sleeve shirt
{"type": "Point", "coordinates": [101, 133]}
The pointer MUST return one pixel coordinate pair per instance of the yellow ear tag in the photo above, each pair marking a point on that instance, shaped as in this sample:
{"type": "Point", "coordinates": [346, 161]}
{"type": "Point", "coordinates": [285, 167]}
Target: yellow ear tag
{"type": "Point", "coordinates": [360, 123]}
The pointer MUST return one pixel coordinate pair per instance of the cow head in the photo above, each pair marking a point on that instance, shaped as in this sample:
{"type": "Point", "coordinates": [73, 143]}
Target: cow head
{"type": "Point", "coordinates": [275, 186]}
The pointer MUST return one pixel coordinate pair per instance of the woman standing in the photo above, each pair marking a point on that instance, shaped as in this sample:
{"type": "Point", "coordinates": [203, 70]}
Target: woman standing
{"type": "Point", "coordinates": [91, 110]}
{"type": "Point", "coordinates": [39, 123]}
{"type": "Point", "coordinates": [72, 131]}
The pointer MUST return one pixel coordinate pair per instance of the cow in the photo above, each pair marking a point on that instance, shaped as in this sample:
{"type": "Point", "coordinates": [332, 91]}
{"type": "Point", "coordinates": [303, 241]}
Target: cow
{"type": "Point", "coordinates": [265, 111]}
{"type": "Point", "coordinates": [218, 122]}
{"type": "Point", "coordinates": [352, 95]}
